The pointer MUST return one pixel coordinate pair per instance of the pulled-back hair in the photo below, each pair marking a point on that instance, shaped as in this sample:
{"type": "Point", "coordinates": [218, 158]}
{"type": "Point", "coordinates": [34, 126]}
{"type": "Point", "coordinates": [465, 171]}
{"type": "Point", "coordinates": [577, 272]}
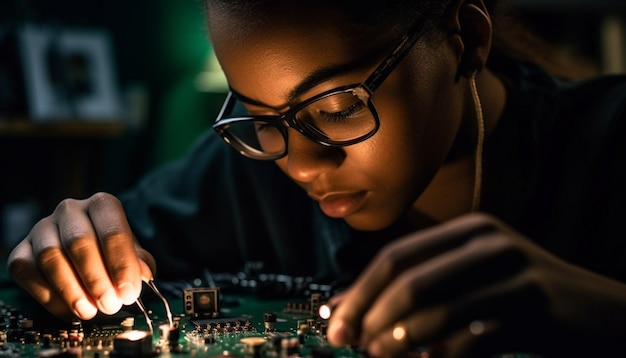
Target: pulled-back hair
{"type": "Point", "coordinates": [511, 37]}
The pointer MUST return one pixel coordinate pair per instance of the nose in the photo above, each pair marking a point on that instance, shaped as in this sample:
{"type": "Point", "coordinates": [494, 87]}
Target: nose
{"type": "Point", "coordinates": [306, 159]}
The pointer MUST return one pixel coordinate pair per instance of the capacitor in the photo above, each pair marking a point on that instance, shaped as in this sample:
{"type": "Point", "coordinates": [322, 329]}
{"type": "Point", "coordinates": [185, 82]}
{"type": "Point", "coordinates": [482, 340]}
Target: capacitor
{"type": "Point", "coordinates": [252, 346]}
{"type": "Point", "coordinates": [74, 338]}
{"type": "Point", "coordinates": [269, 321]}
{"type": "Point", "coordinates": [170, 334]}
{"type": "Point", "coordinates": [78, 327]}
{"type": "Point", "coordinates": [132, 344]}
{"type": "Point", "coordinates": [128, 323]}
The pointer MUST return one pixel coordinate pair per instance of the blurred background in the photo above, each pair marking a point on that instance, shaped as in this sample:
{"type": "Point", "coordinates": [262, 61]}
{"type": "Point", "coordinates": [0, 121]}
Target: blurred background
{"type": "Point", "coordinates": [93, 94]}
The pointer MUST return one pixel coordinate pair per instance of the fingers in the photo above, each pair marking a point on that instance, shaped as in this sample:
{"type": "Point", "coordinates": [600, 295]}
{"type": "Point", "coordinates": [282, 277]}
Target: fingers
{"type": "Point", "coordinates": [443, 322]}
{"type": "Point", "coordinates": [82, 259]}
{"type": "Point", "coordinates": [82, 248]}
{"type": "Point", "coordinates": [346, 322]}
{"type": "Point", "coordinates": [24, 270]}
{"type": "Point", "coordinates": [482, 261]}
{"type": "Point", "coordinates": [473, 339]}
{"type": "Point", "coordinates": [98, 241]}
{"type": "Point", "coordinates": [480, 338]}
{"type": "Point", "coordinates": [435, 283]}
{"type": "Point", "coordinates": [404, 335]}
{"type": "Point", "coordinates": [118, 247]}
{"type": "Point", "coordinates": [147, 264]}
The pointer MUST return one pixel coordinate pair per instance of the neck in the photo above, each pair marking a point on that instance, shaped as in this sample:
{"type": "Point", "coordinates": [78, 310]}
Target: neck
{"type": "Point", "coordinates": [452, 190]}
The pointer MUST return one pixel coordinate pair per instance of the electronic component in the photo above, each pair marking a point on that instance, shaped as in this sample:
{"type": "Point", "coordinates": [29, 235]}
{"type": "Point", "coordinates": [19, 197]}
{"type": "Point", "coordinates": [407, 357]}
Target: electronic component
{"type": "Point", "coordinates": [244, 327]}
{"type": "Point", "coordinates": [269, 321]}
{"type": "Point", "coordinates": [252, 345]}
{"type": "Point", "coordinates": [132, 344]}
{"type": "Point", "coordinates": [201, 302]}
{"type": "Point", "coordinates": [325, 311]}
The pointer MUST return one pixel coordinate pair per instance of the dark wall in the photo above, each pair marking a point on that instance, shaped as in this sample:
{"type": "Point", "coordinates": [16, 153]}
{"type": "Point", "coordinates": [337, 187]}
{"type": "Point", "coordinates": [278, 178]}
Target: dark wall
{"type": "Point", "coordinates": [159, 47]}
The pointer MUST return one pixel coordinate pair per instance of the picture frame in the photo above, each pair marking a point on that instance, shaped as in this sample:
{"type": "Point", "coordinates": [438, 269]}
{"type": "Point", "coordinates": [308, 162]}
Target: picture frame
{"type": "Point", "coordinates": [69, 74]}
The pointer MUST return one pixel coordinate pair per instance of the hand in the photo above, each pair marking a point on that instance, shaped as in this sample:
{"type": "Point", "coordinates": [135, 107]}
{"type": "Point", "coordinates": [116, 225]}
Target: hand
{"type": "Point", "coordinates": [82, 259]}
{"type": "Point", "coordinates": [474, 287]}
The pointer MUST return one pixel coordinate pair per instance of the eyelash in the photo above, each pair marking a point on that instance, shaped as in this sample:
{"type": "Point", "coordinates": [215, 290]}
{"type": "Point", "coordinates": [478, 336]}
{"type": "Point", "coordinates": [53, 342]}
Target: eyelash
{"type": "Point", "coordinates": [340, 116]}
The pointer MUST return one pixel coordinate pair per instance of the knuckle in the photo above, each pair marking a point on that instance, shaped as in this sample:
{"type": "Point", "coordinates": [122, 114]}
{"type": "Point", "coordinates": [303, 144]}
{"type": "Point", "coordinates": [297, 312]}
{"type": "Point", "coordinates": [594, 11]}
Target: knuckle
{"type": "Point", "coordinates": [96, 283]}
{"type": "Point", "coordinates": [66, 205]}
{"type": "Point", "coordinates": [407, 292]}
{"type": "Point", "coordinates": [123, 264]}
{"type": "Point", "coordinates": [114, 239]}
{"type": "Point", "coordinates": [18, 268]}
{"type": "Point", "coordinates": [78, 243]}
{"type": "Point", "coordinates": [482, 222]}
{"type": "Point", "coordinates": [102, 200]}
{"type": "Point", "coordinates": [48, 257]}
{"type": "Point", "coordinates": [115, 235]}
{"type": "Point", "coordinates": [500, 250]}
{"type": "Point", "coordinates": [44, 223]}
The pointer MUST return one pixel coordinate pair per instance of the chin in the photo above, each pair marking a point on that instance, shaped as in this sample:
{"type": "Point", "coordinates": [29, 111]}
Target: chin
{"type": "Point", "coordinates": [369, 222]}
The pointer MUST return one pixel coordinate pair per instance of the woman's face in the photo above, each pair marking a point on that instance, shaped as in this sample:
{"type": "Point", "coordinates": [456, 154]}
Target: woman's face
{"type": "Point", "coordinates": [373, 183]}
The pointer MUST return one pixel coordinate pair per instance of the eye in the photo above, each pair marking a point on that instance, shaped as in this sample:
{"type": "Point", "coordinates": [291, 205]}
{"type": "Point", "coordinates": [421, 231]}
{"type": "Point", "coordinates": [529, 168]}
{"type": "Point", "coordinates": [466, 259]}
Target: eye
{"type": "Point", "coordinates": [262, 127]}
{"type": "Point", "coordinates": [347, 113]}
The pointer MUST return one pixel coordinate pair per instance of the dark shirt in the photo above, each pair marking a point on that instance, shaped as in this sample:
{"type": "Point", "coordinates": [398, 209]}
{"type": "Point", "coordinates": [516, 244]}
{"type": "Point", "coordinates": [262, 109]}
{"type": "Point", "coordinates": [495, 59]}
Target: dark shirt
{"type": "Point", "coordinates": [554, 169]}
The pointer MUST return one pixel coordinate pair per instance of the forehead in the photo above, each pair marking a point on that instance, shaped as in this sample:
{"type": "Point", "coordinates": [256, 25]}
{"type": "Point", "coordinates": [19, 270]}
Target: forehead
{"type": "Point", "coordinates": [266, 51]}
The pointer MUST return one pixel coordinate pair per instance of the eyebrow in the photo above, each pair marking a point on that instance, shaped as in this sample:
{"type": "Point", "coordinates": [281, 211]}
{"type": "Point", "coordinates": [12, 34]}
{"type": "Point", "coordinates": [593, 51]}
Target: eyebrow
{"type": "Point", "coordinates": [314, 79]}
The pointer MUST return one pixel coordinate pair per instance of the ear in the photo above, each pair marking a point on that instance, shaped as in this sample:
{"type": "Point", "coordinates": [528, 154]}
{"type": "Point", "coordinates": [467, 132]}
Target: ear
{"type": "Point", "coordinates": [470, 30]}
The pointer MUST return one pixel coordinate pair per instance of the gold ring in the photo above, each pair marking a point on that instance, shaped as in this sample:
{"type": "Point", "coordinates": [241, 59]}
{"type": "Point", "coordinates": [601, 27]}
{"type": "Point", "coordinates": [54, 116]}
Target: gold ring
{"type": "Point", "coordinates": [477, 327]}
{"type": "Point", "coordinates": [399, 333]}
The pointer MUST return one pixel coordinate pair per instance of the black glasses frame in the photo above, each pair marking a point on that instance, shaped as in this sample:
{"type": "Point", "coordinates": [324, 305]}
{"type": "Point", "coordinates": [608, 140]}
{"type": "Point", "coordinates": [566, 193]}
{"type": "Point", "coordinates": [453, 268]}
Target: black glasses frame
{"type": "Point", "coordinates": [363, 91]}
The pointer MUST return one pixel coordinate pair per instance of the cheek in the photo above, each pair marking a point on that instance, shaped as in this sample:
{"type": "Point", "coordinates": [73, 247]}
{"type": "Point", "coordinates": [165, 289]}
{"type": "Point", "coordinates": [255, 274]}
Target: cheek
{"type": "Point", "coordinates": [421, 111]}
{"type": "Point", "coordinates": [420, 114]}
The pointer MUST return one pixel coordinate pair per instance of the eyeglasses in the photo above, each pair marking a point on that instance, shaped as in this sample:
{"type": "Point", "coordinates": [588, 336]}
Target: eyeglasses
{"type": "Point", "coordinates": [339, 117]}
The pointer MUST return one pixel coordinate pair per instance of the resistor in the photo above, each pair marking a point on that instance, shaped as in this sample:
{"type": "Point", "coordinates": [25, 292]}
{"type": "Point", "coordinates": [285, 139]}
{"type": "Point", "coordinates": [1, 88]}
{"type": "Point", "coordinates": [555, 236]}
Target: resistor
{"type": "Point", "coordinates": [128, 323]}
{"type": "Point", "coordinates": [78, 327]}
{"type": "Point", "coordinates": [269, 321]}
{"type": "Point", "coordinates": [252, 346]}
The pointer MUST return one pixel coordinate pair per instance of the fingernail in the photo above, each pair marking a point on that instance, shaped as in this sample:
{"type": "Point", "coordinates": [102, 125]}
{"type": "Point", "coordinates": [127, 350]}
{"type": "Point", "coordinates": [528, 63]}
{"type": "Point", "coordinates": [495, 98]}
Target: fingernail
{"type": "Point", "coordinates": [375, 349]}
{"type": "Point", "coordinates": [84, 309]}
{"type": "Point", "coordinates": [339, 333]}
{"type": "Point", "coordinates": [109, 303]}
{"type": "Point", "coordinates": [127, 293]}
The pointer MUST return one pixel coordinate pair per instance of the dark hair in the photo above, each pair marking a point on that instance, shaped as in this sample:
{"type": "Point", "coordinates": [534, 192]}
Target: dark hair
{"type": "Point", "coordinates": [511, 37]}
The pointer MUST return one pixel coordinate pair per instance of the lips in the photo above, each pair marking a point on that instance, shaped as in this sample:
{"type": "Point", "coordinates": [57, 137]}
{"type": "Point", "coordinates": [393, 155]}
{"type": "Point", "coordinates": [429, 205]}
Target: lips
{"type": "Point", "coordinates": [340, 205]}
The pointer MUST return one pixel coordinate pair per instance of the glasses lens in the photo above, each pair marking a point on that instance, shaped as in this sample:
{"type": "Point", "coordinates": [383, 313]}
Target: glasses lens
{"type": "Point", "coordinates": [256, 138]}
{"type": "Point", "coordinates": [339, 117]}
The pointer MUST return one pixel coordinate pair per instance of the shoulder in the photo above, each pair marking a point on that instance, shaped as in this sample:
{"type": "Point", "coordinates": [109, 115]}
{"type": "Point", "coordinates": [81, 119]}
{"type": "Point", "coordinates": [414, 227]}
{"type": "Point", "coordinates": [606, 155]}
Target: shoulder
{"type": "Point", "coordinates": [558, 110]}
{"type": "Point", "coordinates": [599, 102]}
{"type": "Point", "coordinates": [532, 86]}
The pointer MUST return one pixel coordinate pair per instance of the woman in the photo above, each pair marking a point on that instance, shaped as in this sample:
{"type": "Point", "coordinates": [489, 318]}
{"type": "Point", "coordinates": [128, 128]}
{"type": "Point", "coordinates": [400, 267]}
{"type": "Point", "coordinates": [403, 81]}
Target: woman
{"type": "Point", "coordinates": [474, 199]}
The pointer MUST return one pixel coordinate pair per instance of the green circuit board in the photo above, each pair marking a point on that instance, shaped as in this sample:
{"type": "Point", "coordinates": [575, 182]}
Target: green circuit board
{"type": "Point", "coordinates": [240, 326]}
